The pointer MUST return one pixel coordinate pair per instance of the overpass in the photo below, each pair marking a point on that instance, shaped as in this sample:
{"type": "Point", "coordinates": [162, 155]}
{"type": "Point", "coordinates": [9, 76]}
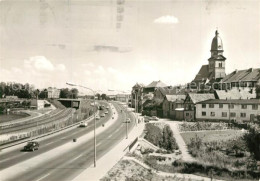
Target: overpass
{"type": "Point", "coordinates": [74, 103]}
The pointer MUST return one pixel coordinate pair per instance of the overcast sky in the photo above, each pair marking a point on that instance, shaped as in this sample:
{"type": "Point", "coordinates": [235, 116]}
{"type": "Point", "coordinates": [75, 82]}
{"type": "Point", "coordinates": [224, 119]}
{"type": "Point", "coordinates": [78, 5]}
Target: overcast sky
{"type": "Point", "coordinates": [51, 42]}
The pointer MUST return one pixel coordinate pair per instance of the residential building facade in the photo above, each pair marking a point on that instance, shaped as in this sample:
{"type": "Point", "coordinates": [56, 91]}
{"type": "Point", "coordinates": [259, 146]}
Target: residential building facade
{"type": "Point", "coordinates": [190, 104]}
{"type": "Point", "coordinates": [226, 110]}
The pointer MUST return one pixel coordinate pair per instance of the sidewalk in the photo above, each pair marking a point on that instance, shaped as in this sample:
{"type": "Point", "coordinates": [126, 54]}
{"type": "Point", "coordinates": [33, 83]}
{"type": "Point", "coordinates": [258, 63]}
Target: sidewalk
{"type": "Point", "coordinates": [105, 163]}
{"type": "Point", "coordinates": [182, 145]}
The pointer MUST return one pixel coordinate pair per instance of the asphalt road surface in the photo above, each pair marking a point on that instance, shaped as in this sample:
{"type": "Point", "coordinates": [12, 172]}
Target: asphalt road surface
{"type": "Point", "coordinates": [15, 156]}
{"type": "Point", "coordinates": [68, 165]}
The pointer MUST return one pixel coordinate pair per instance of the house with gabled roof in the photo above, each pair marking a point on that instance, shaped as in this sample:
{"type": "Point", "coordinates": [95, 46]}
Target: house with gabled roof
{"type": "Point", "coordinates": [190, 104]}
{"type": "Point", "coordinates": [173, 106]}
{"type": "Point", "coordinates": [154, 85]}
{"type": "Point", "coordinates": [240, 79]}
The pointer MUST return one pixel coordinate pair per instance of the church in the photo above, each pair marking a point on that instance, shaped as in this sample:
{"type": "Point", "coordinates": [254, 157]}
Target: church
{"type": "Point", "coordinates": [214, 71]}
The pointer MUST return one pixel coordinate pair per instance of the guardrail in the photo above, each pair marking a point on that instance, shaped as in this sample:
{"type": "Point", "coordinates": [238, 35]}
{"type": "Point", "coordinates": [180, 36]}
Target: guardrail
{"type": "Point", "coordinates": [44, 135]}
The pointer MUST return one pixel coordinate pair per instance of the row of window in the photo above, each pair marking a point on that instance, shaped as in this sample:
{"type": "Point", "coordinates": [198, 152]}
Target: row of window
{"type": "Point", "coordinates": [231, 106]}
{"type": "Point", "coordinates": [224, 114]}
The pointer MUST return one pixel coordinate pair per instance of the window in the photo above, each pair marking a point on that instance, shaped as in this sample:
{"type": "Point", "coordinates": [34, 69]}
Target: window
{"type": "Point", "coordinates": [220, 65]}
{"type": "Point", "coordinates": [203, 113]}
{"type": "Point", "coordinates": [224, 114]}
{"type": "Point", "coordinates": [211, 105]}
{"type": "Point", "coordinates": [203, 105]}
{"type": "Point", "coordinates": [254, 106]}
{"type": "Point", "coordinates": [212, 113]}
{"type": "Point", "coordinates": [231, 106]}
{"type": "Point", "coordinates": [242, 115]}
{"type": "Point", "coordinates": [187, 114]}
{"type": "Point", "coordinates": [244, 106]}
{"type": "Point", "coordinates": [220, 105]}
{"type": "Point", "coordinates": [232, 114]}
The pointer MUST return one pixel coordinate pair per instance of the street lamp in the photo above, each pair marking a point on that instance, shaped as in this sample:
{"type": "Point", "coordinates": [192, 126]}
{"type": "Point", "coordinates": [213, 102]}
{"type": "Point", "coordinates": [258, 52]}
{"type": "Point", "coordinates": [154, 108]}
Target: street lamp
{"type": "Point", "coordinates": [95, 150]}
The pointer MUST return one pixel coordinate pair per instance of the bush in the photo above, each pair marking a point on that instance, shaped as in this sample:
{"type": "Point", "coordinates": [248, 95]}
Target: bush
{"type": "Point", "coordinates": [162, 138]}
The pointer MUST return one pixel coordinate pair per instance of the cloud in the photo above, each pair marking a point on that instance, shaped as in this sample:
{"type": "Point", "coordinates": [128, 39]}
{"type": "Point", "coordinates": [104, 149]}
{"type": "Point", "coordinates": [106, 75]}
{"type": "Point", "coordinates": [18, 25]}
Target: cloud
{"type": "Point", "coordinates": [166, 20]}
{"type": "Point", "coordinates": [61, 67]}
{"type": "Point", "coordinates": [99, 70]}
{"type": "Point", "coordinates": [39, 63]}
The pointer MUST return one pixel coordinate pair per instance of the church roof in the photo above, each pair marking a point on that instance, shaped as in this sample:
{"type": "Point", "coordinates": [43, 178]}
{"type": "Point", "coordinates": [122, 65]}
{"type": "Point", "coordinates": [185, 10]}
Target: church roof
{"type": "Point", "coordinates": [243, 75]}
{"type": "Point", "coordinates": [156, 84]}
{"type": "Point", "coordinates": [216, 44]}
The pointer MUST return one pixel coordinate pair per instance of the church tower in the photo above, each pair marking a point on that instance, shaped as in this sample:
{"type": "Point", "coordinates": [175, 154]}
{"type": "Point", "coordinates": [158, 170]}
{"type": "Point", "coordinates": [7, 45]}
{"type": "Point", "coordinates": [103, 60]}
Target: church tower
{"type": "Point", "coordinates": [216, 67]}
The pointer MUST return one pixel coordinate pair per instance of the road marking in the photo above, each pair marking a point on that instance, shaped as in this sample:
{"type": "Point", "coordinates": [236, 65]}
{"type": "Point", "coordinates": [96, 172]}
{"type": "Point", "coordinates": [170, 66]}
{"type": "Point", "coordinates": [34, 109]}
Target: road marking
{"type": "Point", "coordinates": [76, 157]}
{"type": "Point", "coordinates": [49, 143]}
{"type": "Point", "coordinates": [43, 177]}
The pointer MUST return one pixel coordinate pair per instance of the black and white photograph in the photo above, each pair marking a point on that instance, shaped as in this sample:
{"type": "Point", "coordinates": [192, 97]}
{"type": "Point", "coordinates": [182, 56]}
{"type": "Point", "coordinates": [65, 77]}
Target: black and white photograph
{"type": "Point", "coordinates": [129, 90]}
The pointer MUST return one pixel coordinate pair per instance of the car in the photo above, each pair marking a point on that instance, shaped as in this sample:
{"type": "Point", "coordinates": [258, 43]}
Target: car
{"type": "Point", "coordinates": [97, 117]}
{"type": "Point", "coordinates": [31, 146]}
{"type": "Point", "coordinates": [107, 107]}
{"type": "Point", "coordinates": [106, 112]}
{"type": "Point", "coordinates": [102, 115]}
{"type": "Point", "coordinates": [128, 120]}
{"type": "Point", "coordinates": [83, 124]}
{"type": "Point", "coordinates": [155, 118]}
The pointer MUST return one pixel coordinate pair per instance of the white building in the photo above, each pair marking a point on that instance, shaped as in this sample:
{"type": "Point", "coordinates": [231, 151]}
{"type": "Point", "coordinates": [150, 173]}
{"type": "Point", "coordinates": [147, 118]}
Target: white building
{"type": "Point", "coordinates": [236, 109]}
{"type": "Point", "coordinates": [53, 92]}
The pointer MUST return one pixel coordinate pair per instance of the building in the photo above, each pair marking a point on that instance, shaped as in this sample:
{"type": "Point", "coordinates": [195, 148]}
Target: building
{"type": "Point", "coordinates": [154, 85]}
{"type": "Point", "coordinates": [240, 79]}
{"type": "Point", "coordinates": [214, 71]}
{"type": "Point", "coordinates": [137, 96]}
{"type": "Point", "coordinates": [227, 110]}
{"type": "Point", "coordinates": [53, 93]}
{"type": "Point", "coordinates": [190, 104]}
{"type": "Point", "coordinates": [173, 106]}
{"type": "Point", "coordinates": [235, 94]}
{"type": "Point", "coordinates": [123, 97]}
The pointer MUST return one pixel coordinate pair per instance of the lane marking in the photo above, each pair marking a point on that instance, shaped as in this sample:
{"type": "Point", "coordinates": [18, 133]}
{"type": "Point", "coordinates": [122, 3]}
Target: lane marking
{"type": "Point", "coordinates": [76, 158]}
{"type": "Point", "coordinates": [43, 176]}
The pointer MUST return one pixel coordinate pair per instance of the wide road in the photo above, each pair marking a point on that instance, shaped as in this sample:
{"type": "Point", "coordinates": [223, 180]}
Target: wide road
{"type": "Point", "coordinates": [68, 165]}
{"type": "Point", "coordinates": [9, 158]}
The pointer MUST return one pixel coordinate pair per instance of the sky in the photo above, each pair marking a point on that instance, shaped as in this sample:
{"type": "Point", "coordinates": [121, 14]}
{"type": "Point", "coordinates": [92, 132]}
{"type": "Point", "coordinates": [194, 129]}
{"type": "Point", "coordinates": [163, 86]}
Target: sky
{"type": "Point", "coordinates": [113, 44]}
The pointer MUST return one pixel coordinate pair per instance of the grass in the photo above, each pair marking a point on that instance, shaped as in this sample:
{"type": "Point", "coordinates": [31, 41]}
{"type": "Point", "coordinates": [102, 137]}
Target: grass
{"type": "Point", "coordinates": [11, 117]}
{"type": "Point", "coordinates": [208, 136]}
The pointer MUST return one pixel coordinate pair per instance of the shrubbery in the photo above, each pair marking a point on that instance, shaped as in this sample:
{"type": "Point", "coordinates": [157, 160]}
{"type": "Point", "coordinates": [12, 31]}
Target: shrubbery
{"type": "Point", "coordinates": [198, 126]}
{"type": "Point", "coordinates": [162, 138]}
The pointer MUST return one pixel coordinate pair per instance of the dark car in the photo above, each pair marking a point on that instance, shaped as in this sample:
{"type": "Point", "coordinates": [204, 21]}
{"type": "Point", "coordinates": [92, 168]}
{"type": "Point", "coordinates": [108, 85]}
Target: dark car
{"type": "Point", "coordinates": [31, 146]}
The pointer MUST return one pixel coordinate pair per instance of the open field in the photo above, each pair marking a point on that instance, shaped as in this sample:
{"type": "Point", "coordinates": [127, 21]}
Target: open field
{"type": "Point", "coordinates": [208, 136]}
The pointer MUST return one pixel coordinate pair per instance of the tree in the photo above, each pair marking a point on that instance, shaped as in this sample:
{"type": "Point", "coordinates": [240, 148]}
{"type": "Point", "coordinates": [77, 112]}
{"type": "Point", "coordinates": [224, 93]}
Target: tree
{"type": "Point", "coordinates": [74, 93]}
{"type": "Point", "coordinates": [65, 93]}
{"type": "Point", "coordinates": [103, 96]}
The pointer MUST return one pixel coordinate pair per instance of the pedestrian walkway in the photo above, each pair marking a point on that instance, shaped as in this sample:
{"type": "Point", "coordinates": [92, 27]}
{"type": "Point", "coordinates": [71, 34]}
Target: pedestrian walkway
{"type": "Point", "coordinates": [179, 140]}
{"type": "Point", "coordinates": [105, 163]}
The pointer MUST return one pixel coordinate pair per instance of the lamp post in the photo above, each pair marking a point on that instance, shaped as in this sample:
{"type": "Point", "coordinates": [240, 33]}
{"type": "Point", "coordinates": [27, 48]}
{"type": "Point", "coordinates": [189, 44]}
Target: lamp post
{"type": "Point", "coordinates": [95, 150]}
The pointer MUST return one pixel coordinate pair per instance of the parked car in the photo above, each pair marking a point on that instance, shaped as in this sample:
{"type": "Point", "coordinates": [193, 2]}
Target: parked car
{"type": "Point", "coordinates": [97, 117]}
{"type": "Point", "coordinates": [107, 107]}
{"type": "Point", "coordinates": [31, 146]}
{"type": "Point", "coordinates": [102, 115]}
{"type": "Point", "coordinates": [83, 124]}
{"type": "Point", "coordinates": [106, 112]}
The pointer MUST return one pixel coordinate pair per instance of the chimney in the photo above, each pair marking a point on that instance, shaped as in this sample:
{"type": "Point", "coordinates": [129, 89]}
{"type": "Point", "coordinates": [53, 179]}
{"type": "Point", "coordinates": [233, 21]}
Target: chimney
{"type": "Point", "coordinates": [235, 71]}
{"type": "Point", "coordinates": [250, 70]}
